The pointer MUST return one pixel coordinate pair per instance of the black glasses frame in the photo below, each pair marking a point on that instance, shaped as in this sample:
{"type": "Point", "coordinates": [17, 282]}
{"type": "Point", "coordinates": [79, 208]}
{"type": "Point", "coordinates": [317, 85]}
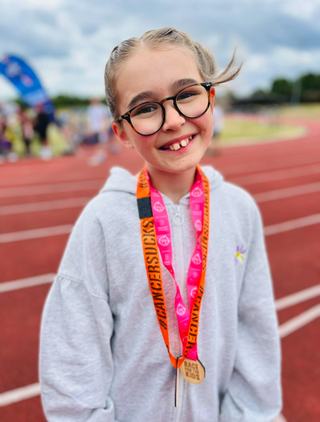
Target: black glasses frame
{"type": "Point", "coordinates": [127, 116]}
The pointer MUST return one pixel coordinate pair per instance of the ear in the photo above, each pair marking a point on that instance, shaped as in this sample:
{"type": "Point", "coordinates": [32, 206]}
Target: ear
{"type": "Point", "coordinates": [121, 134]}
{"type": "Point", "coordinates": [212, 96]}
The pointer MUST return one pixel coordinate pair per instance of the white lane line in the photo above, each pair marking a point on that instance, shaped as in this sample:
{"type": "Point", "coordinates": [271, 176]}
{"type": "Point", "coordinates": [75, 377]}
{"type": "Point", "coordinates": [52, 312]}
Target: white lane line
{"type": "Point", "coordinates": [79, 202]}
{"type": "Point", "coordinates": [285, 329]}
{"type": "Point", "coordinates": [66, 229]}
{"type": "Point", "coordinates": [262, 164]}
{"type": "Point", "coordinates": [35, 234]}
{"type": "Point", "coordinates": [26, 282]}
{"type": "Point", "coordinates": [19, 394]}
{"type": "Point", "coordinates": [292, 224]}
{"type": "Point", "coordinates": [295, 298]}
{"type": "Point", "coordinates": [34, 390]}
{"type": "Point", "coordinates": [277, 175]}
{"type": "Point", "coordinates": [43, 206]}
{"type": "Point", "coordinates": [56, 178]}
{"type": "Point", "coordinates": [98, 183]}
{"type": "Point", "coordinates": [287, 192]}
{"type": "Point", "coordinates": [47, 189]}
{"type": "Point", "coordinates": [299, 321]}
{"type": "Point", "coordinates": [280, 304]}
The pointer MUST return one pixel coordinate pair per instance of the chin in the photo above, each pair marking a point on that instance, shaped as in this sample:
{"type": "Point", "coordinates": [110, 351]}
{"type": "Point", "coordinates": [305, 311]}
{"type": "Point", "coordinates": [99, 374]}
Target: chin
{"type": "Point", "coordinates": [181, 167]}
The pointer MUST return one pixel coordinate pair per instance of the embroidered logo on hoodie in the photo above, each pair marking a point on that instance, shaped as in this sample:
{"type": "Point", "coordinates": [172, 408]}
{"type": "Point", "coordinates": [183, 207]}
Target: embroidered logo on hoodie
{"type": "Point", "coordinates": [240, 254]}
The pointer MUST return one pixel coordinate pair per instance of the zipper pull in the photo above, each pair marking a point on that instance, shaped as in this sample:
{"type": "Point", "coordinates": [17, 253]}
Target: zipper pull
{"type": "Point", "coordinates": [177, 218]}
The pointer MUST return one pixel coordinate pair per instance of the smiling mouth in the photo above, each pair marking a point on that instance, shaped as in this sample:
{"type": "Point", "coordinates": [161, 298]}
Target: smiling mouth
{"type": "Point", "coordinates": [174, 147]}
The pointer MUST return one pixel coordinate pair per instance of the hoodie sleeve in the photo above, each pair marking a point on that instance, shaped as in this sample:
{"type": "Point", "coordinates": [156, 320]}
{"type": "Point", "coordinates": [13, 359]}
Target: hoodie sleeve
{"type": "Point", "coordinates": [254, 392]}
{"type": "Point", "coordinates": [76, 364]}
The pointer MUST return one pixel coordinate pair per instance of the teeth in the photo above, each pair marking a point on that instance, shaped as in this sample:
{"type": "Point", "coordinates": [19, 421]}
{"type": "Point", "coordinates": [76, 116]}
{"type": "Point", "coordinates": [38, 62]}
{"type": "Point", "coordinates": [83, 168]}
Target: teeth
{"type": "Point", "coordinates": [175, 147]}
{"type": "Point", "coordinates": [183, 143]}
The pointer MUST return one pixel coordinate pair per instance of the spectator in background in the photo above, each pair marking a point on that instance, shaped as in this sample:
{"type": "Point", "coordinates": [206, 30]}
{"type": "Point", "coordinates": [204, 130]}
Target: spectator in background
{"type": "Point", "coordinates": [218, 119]}
{"type": "Point", "coordinates": [27, 131]}
{"type": "Point", "coordinates": [99, 117]}
{"type": "Point", "coordinates": [6, 139]}
{"type": "Point", "coordinates": [41, 126]}
{"type": "Point", "coordinates": [3, 139]}
{"type": "Point", "coordinates": [100, 132]}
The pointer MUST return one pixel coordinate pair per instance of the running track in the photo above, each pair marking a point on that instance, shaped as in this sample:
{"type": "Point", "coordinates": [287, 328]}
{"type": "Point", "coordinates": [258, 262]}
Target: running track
{"type": "Point", "coordinates": [39, 203]}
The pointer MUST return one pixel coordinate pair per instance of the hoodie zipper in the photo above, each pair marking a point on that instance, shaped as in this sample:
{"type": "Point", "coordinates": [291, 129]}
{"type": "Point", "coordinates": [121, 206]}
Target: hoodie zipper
{"type": "Point", "coordinates": [178, 220]}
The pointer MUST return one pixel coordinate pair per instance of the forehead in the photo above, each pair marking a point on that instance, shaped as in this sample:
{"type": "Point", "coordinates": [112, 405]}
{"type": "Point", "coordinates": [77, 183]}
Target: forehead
{"type": "Point", "coordinates": [155, 71]}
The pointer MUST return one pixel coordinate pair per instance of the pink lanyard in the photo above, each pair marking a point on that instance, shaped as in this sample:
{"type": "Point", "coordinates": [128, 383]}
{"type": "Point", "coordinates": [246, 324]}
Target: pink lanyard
{"type": "Point", "coordinates": [163, 233]}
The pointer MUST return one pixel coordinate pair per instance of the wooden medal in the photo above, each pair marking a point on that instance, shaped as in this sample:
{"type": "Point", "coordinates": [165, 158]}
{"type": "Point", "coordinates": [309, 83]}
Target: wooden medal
{"type": "Point", "coordinates": [193, 371]}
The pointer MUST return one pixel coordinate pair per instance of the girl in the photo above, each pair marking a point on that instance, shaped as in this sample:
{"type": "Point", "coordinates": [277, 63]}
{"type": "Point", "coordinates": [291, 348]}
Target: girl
{"type": "Point", "coordinates": [123, 338]}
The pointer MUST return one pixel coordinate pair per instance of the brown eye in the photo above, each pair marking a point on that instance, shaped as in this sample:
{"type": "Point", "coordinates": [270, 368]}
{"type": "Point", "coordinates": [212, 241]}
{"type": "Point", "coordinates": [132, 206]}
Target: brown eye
{"type": "Point", "coordinates": [145, 109]}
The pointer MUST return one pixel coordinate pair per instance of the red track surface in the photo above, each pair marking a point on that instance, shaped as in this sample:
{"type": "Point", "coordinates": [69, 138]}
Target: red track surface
{"type": "Point", "coordinates": [294, 257]}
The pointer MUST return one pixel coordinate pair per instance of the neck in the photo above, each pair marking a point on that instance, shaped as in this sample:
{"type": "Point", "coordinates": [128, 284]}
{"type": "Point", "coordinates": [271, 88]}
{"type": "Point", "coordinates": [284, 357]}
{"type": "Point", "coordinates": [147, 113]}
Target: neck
{"type": "Point", "coordinates": [173, 185]}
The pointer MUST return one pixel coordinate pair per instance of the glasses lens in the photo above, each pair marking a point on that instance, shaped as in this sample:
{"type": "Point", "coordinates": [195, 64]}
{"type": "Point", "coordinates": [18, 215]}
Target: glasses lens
{"type": "Point", "coordinates": [193, 101]}
{"type": "Point", "coordinates": [147, 118]}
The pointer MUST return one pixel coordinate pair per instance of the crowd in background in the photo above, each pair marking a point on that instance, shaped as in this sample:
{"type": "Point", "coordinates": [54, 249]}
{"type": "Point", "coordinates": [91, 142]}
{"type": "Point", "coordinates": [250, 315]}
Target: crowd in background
{"type": "Point", "coordinates": [31, 132]}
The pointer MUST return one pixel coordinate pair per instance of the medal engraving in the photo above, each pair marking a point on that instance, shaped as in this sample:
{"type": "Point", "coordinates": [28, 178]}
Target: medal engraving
{"type": "Point", "coordinates": [193, 371]}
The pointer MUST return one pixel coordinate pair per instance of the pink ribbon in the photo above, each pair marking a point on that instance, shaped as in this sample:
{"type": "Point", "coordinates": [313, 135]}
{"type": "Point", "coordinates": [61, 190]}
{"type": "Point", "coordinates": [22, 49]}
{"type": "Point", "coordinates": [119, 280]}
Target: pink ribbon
{"type": "Point", "coordinates": [163, 233]}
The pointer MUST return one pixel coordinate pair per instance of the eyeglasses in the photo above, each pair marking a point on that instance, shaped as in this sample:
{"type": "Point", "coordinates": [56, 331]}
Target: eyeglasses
{"type": "Point", "coordinates": [190, 102]}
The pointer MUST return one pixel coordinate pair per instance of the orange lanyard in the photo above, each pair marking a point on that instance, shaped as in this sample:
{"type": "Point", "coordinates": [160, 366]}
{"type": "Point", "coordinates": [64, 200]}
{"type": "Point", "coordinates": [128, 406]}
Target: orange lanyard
{"type": "Point", "coordinates": [153, 266]}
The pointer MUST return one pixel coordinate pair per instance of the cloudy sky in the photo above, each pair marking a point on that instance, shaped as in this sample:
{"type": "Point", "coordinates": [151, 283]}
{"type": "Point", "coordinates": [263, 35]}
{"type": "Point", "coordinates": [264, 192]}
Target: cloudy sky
{"type": "Point", "coordinates": [69, 41]}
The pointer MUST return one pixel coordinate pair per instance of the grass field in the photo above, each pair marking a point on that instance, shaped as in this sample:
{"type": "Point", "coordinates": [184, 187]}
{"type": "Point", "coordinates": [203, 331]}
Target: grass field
{"type": "Point", "coordinates": [305, 111]}
{"type": "Point", "coordinates": [269, 126]}
{"type": "Point", "coordinates": [238, 130]}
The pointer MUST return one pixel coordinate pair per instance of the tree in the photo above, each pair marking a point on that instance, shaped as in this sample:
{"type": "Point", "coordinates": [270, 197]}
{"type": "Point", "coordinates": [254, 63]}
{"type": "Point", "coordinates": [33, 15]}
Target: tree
{"type": "Point", "coordinates": [310, 82]}
{"type": "Point", "coordinates": [282, 87]}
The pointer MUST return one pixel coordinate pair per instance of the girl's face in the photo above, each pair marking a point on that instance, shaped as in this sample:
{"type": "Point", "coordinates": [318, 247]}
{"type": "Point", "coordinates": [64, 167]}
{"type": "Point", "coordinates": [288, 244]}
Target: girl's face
{"type": "Point", "coordinates": [159, 74]}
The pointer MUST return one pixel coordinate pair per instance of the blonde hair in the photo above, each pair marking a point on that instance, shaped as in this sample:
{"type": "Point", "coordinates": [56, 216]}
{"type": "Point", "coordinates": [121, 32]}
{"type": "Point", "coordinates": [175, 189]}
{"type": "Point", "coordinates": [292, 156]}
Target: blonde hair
{"type": "Point", "coordinates": [156, 39]}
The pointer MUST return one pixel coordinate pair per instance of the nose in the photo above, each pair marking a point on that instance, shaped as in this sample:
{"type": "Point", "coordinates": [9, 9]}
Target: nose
{"type": "Point", "coordinates": [173, 119]}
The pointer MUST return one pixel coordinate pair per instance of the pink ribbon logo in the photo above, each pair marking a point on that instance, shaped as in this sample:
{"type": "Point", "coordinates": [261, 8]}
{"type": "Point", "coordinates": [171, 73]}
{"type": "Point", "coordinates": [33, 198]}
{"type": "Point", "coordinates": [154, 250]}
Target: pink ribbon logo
{"type": "Point", "coordinates": [158, 207]}
{"type": "Point", "coordinates": [164, 240]}
{"type": "Point", "coordinates": [181, 310]}
{"type": "Point", "coordinates": [196, 259]}
{"type": "Point", "coordinates": [196, 192]}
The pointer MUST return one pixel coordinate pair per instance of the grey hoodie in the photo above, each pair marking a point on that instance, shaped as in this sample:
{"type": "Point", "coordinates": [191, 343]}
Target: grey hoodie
{"type": "Point", "coordinates": [102, 356]}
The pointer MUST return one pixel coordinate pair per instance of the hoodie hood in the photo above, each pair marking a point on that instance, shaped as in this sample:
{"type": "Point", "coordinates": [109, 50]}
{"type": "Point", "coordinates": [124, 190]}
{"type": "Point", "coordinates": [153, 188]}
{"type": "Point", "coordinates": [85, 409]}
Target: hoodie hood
{"type": "Point", "coordinates": [122, 180]}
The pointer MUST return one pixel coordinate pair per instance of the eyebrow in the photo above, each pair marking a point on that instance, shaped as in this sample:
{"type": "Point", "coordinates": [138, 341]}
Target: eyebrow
{"type": "Point", "coordinates": [146, 95]}
{"type": "Point", "coordinates": [140, 98]}
{"type": "Point", "coordinates": [183, 82]}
